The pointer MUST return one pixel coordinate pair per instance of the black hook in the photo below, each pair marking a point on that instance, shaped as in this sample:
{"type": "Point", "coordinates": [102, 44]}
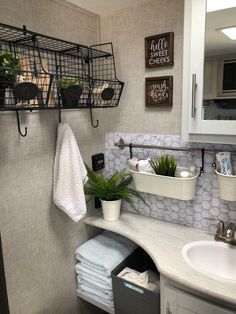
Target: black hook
{"type": "Point", "coordinates": [91, 117]}
{"type": "Point", "coordinates": [24, 30]}
{"type": "Point", "coordinates": [130, 150]}
{"type": "Point", "coordinates": [18, 124]}
{"type": "Point", "coordinates": [203, 161]}
{"type": "Point", "coordinates": [59, 113]}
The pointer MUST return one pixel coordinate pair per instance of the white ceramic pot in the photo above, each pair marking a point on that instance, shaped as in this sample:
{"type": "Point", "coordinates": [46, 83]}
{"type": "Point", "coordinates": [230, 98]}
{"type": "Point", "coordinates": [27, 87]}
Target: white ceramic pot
{"type": "Point", "coordinates": [111, 210]}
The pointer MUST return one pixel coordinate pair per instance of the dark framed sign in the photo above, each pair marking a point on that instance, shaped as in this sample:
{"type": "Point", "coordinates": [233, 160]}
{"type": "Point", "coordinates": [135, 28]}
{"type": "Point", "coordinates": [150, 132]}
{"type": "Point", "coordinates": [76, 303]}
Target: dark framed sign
{"type": "Point", "coordinates": [159, 50]}
{"type": "Point", "coordinates": [159, 91]}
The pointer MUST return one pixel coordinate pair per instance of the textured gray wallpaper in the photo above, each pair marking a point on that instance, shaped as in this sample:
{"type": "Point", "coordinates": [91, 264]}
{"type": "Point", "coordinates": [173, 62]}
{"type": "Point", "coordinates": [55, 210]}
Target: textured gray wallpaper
{"type": "Point", "coordinates": [205, 207]}
{"type": "Point", "coordinates": [127, 30]}
{"type": "Point", "coordinates": [38, 239]}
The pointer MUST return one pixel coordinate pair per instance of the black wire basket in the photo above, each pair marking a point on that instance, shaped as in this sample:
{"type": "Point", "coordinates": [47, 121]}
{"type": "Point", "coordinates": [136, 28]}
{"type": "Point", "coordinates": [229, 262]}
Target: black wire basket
{"type": "Point", "coordinates": [43, 63]}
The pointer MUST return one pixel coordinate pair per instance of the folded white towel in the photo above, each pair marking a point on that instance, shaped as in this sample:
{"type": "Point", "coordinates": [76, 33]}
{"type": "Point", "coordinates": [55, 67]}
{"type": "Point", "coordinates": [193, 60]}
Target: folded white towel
{"type": "Point", "coordinates": [94, 282]}
{"type": "Point", "coordinates": [104, 252]}
{"type": "Point", "coordinates": [90, 275]}
{"type": "Point", "coordinates": [144, 166]}
{"type": "Point", "coordinates": [69, 175]}
{"type": "Point", "coordinates": [94, 268]}
{"type": "Point", "coordinates": [99, 299]}
{"type": "Point", "coordinates": [91, 289]}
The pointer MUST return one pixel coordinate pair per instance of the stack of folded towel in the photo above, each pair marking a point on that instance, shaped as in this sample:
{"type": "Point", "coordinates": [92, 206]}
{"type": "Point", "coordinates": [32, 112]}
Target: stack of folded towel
{"type": "Point", "coordinates": [97, 258]}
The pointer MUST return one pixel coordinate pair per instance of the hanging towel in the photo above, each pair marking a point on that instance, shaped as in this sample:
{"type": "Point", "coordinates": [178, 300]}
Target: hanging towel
{"type": "Point", "coordinates": [69, 175]}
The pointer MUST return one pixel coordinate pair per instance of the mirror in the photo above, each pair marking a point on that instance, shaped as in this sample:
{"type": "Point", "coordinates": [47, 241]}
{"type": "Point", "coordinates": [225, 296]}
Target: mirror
{"type": "Point", "coordinates": [219, 95]}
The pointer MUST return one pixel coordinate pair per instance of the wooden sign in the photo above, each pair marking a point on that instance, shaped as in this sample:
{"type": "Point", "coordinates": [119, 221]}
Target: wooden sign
{"type": "Point", "coordinates": [159, 91]}
{"type": "Point", "coordinates": [159, 50]}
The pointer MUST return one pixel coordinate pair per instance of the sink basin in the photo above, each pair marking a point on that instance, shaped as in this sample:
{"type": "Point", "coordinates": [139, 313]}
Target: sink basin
{"type": "Point", "coordinates": [212, 258]}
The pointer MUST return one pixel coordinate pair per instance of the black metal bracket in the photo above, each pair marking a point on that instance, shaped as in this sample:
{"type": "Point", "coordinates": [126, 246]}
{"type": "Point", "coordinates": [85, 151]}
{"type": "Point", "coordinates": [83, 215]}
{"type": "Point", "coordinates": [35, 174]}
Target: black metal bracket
{"type": "Point", "coordinates": [18, 124]}
{"type": "Point", "coordinates": [91, 118]}
{"type": "Point", "coordinates": [130, 150]}
{"type": "Point", "coordinates": [203, 161]}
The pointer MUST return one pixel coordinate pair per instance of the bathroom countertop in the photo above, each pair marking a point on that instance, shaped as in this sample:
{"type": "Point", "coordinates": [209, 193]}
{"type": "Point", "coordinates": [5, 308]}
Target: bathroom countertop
{"type": "Point", "coordinates": [164, 241]}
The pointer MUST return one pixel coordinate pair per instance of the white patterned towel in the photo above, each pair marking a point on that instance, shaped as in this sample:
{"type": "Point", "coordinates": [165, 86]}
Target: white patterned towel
{"type": "Point", "coordinates": [69, 174]}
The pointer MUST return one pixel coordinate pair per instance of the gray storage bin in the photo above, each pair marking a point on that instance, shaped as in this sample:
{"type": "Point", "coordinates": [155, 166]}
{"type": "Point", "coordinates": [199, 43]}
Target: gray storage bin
{"type": "Point", "coordinates": [130, 298]}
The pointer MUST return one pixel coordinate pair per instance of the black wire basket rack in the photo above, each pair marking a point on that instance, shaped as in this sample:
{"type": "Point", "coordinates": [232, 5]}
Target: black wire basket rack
{"type": "Point", "coordinates": [41, 72]}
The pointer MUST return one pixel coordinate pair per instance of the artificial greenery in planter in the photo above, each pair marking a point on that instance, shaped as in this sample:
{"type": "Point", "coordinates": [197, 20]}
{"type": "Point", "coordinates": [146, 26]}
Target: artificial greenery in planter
{"type": "Point", "coordinates": [70, 90]}
{"type": "Point", "coordinates": [111, 192]}
{"type": "Point", "coordinates": [9, 69]}
{"type": "Point", "coordinates": [164, 182]}
{"type": "Point", "coordinates": [164, 165]}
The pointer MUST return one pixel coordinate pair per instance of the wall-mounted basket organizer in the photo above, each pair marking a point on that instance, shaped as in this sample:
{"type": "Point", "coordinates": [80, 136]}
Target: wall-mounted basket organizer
{"type": "Point", "coordinates": [178, 188]}
{"type": "Point", "coordinates": [227, 186]}
{"type": "Point", "coordinates": [50, 73]}
{"type": "Point", "coordinates": [174, 187]}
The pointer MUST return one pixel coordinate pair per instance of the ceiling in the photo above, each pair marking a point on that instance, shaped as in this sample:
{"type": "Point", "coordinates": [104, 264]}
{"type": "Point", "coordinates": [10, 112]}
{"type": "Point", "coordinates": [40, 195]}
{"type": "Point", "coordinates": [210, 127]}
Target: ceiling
{"type": "Point", "coordinates": [105, 7]}
{"type": "Point", "coordinates": [216, 42]}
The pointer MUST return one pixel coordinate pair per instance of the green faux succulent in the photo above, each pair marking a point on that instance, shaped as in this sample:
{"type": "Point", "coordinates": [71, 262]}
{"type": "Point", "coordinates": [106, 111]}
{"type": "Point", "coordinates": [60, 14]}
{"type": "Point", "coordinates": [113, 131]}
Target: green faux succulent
{"type": "Point", "coordinates": [164, 165]}
{"type": "Point", "coordinates": [115, 188]}
{"type": "Point", "coordinates": [65, 82]}
{"type": "Point", "coordinates": [9, 68]}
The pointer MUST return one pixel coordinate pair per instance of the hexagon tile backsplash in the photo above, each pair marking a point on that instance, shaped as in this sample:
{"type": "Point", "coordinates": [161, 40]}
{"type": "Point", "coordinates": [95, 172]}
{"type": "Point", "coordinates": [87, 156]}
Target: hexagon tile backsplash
{"type": "Point", "coordinates": [206, 206]}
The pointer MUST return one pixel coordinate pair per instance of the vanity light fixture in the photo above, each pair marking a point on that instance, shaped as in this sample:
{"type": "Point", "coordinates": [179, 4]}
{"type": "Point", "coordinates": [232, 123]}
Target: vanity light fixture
{"type": "Point", "coordinates": [215, 5]}
{"type": "Point", "coordinates": [229, 31]}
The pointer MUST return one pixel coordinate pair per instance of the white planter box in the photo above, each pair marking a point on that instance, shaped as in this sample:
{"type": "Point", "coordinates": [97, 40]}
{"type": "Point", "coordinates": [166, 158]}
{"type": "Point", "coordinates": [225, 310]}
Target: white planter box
{"type": "Point", "coordinates": [227, 186]}
{"type": "Point", "coordinates": [179, 188]}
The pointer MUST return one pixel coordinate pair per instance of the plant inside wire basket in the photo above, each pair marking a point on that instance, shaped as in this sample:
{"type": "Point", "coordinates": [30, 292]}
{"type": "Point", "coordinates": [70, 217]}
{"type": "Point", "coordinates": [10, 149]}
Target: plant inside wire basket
{"type": "Point", "coordinates": [70, 90]}
{"type": "Point", "coordinates": [9, 69]}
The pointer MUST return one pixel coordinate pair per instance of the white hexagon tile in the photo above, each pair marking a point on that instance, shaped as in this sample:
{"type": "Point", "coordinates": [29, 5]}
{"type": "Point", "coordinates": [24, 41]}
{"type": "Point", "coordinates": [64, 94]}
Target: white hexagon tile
{"type": "Point", "coordinates": [201, 212]}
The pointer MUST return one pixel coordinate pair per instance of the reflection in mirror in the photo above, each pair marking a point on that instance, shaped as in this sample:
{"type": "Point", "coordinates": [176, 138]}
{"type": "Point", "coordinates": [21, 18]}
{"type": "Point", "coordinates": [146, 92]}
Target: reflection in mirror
{"type": "Point", "coordinates": [219, 95]}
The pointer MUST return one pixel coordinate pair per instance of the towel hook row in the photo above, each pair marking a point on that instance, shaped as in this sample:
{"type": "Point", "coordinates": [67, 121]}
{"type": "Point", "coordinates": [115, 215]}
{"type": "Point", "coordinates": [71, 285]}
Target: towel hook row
{"type": "Point", "coordinates": [91, 118]}
{"type": "Point", "coordinates": [95, 125]}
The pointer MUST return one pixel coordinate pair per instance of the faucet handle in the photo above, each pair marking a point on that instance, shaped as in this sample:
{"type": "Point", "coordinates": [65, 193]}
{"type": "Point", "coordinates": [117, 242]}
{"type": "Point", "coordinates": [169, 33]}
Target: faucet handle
{"type": "Point", "coordinates": [220, 231]}
{"type": "Point", "coordinates": [230, 233]}
{"type": "Point", "coordinates": [220, 228]}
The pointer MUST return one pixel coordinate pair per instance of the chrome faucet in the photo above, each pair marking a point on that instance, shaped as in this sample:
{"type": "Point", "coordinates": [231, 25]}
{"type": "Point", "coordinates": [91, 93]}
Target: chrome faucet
{"type": "Point", "coordinates": [226, 234]}
{"type": "Point", "coordinates": [219, 236]}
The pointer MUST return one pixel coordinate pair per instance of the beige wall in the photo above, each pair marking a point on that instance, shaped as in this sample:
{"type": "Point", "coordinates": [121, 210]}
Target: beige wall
{"type": "Point", "coordinates": [39, 240]}
{"type": "Point", "coordinates": [127, 30]}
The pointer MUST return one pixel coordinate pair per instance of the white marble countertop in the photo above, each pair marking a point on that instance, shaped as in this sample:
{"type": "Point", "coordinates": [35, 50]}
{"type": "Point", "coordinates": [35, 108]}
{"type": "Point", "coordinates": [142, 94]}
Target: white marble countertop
{"type": "Point", "coordinates": [164, 241]}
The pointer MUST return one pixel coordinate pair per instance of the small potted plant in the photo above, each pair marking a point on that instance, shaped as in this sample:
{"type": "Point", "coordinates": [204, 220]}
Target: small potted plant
{"type": "Point", "coordinates": [9, 69]}
{"type": "Point", "coordinates": [70, 90]}
{"type": "Point", "coordinates": [111, 191]}
{"type": "Point", "coordinates": [164, 165]}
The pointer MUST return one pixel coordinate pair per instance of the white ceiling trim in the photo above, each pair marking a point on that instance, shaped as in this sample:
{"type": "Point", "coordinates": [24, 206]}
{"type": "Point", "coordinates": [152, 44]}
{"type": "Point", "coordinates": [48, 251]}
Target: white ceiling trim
{"type": "Point", "coordinates": [105, 7]}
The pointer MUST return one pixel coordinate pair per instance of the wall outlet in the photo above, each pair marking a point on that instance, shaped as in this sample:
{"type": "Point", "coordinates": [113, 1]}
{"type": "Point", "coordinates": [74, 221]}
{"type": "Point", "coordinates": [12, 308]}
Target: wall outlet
{"type": "Point", "coordinates": [98, 162]}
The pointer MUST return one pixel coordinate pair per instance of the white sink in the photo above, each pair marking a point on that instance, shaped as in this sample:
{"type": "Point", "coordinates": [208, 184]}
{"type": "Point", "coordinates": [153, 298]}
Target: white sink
{"type": "Point", "coordinates": [212, 258]}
